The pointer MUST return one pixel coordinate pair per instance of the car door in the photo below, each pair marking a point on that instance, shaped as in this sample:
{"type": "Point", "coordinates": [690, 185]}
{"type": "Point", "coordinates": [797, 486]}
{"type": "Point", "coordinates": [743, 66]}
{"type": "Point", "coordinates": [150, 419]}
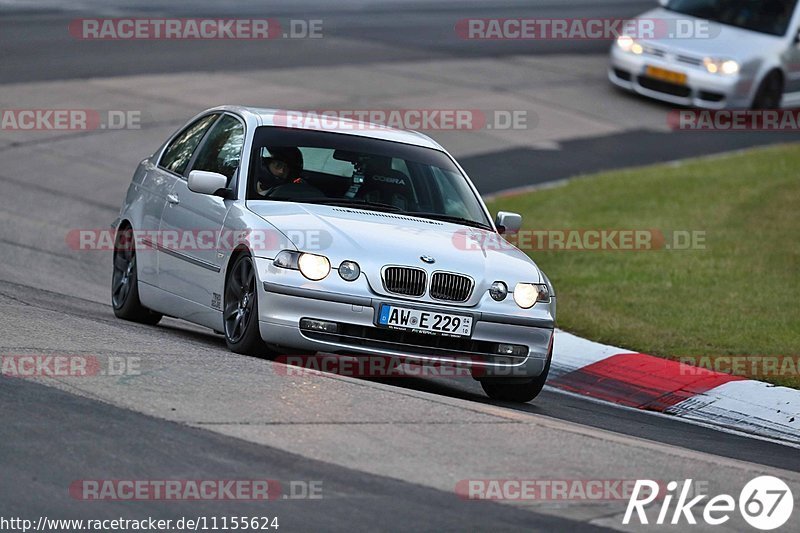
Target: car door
{"type": "Point", "coordinates": [162, 174]}
{"type": "Point", "coordinates": [191, 270]}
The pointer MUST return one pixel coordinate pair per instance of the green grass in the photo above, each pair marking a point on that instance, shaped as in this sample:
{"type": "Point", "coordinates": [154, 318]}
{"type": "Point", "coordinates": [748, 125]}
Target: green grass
{"type": "Point", "coordinates": [738, 296]}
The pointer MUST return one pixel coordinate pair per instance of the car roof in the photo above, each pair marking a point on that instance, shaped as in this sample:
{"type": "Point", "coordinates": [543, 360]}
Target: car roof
{"type": "Point", "coordinates": [278, 117]}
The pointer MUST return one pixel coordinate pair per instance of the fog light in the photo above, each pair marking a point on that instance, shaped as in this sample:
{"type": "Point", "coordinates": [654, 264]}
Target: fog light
{"type": "Point", "coordinates": [349, 270]}
{"type": "Point", "coordinates": [511, 349]}
{"type": "Point", "coordinates": [319, 325]}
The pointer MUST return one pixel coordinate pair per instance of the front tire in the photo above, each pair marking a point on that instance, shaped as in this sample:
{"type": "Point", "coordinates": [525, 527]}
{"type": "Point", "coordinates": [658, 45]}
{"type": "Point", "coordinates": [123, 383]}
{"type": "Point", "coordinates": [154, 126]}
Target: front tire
{"type": "Point", "coordinates": [125, 283]}
{"type": "Point", "coordinates": [770, 93]}
{"type": "Point", "coordinates": [516, 392]}
{"type": "Point", "coordinates": [240, 309]}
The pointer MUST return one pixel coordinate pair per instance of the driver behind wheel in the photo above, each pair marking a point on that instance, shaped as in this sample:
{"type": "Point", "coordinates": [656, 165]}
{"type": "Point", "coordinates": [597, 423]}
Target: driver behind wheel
{"type": "Point", "coordinates": [283, 167]}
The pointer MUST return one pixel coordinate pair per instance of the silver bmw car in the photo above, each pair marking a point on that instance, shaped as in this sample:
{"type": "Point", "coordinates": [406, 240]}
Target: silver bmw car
{"type": "Point", "coordinates": [350, 238]}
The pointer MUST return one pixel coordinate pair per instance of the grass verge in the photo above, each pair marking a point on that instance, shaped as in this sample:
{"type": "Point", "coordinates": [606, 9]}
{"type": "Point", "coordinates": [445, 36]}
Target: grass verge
{"type": "Point", "coordinates": [737, 296]}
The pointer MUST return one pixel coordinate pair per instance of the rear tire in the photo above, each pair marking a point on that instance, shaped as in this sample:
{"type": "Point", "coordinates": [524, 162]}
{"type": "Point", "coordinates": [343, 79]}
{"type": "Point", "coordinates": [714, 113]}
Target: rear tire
{"type": "Point", "coordinates": [770, 93]}
{"type": "Point", "coordinates": [516, 392]}
{"type": "Point", "coordinates": [125, 282]}
{"type": "Point", "coordinates": [240, 309]}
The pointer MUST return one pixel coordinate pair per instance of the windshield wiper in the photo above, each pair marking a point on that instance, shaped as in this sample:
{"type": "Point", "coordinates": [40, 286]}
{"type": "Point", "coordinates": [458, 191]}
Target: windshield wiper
{"type": "Point", "coordinates": [450, 218]}
{"type": "Point", "coordinates": [352, 202]}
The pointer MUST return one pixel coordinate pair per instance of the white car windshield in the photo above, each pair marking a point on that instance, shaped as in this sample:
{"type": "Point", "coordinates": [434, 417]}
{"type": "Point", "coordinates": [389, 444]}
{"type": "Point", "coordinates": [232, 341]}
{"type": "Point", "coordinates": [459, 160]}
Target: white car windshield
{"type": "Point", "coordinates": [349, 170]}
{"type": "Point", "coordinates": [764, 16]}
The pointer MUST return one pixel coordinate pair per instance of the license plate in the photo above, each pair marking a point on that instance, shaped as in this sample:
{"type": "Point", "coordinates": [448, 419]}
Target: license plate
{"type": "Point", "coordinates": [678, 78]}
{"type": "Point", "coordinates": [429, 322]}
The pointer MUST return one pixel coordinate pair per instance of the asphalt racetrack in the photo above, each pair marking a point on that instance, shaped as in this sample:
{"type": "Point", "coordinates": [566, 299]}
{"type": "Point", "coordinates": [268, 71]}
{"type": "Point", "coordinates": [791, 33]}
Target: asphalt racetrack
{"type": "Point", "coordinates": [388, 454]}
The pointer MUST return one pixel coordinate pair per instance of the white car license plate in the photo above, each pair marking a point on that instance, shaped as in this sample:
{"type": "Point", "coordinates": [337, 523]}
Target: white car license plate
{"type": "Point", "coordinates": [425, 321]}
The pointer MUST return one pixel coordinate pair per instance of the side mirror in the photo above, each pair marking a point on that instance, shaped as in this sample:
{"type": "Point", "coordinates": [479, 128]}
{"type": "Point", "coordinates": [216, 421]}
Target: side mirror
{"type": "Point", "coordinates": [210, 183]}
{"type": "Point", "coordinates": [508, 222]}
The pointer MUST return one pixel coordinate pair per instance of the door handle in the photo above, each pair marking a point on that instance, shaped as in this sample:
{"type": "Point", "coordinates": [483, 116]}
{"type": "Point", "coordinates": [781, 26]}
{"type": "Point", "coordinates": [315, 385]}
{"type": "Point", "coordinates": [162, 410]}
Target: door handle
{"type": "Point", "coordinates": [173, 199]}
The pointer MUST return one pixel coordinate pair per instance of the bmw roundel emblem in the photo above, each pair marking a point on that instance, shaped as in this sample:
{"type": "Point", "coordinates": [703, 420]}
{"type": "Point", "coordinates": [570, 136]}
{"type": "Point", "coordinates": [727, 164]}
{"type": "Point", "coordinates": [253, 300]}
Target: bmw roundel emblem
{"type": "Point", "coordinates": [428, 259]}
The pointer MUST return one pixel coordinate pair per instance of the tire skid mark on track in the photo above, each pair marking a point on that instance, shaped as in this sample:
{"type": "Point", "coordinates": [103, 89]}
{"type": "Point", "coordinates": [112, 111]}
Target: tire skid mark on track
{"type": "Point", "coordinates": [66, 257]}
{"type": "Point", "coordinates": [63, 304]}
{"type": "Point", "coordinates": [82, 135]}
{"type": "Point", "coordinates": [351, 423]}
{"type": "Point", "coordinates": [32, 185]}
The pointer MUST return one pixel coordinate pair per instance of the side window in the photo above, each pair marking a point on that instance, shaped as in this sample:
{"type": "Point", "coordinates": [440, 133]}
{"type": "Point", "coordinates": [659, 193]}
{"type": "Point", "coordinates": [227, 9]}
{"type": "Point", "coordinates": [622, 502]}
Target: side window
{"type": "Point", "coordinates": [180, 150]}
{"type": "Point", "coordinates": [222, 150]}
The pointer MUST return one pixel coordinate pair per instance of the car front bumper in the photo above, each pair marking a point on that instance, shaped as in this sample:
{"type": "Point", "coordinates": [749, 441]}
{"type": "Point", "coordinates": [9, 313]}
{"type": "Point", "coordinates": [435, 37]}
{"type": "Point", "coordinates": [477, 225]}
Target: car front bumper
{"type": "Point", "coordinates": [702, 89]}
{"type": "Point", "coordinates": [282, 306]}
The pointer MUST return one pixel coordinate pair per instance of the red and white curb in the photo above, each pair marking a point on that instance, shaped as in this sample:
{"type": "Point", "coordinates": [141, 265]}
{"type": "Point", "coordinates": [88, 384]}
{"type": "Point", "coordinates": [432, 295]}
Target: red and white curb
{"type": "Point", "coordinates": [645, 382]}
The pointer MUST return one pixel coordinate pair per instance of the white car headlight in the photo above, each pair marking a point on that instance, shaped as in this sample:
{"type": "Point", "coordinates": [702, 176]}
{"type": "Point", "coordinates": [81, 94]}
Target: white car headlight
{"type": "Point", "coordinates": [528, 294]}
{"type": "Point", "coordinates": [287, 259]}
{"type": "Point", "coordinates": [628, 44]}
{"type": "Point", "coordinates": [314, 267]}
{"type": "Point", "coordinates": [729, 67]}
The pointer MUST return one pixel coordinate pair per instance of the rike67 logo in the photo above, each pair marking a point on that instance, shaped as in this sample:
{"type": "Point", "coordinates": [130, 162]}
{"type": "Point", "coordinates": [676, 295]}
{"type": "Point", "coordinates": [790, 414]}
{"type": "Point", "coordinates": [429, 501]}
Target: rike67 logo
{"type": "Point", "coordinates": [766, 503]}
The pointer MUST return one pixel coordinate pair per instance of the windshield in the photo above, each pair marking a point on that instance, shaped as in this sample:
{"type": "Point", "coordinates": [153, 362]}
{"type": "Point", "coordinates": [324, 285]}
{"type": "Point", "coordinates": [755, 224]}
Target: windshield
{"type": "Point", "coordinates": [347, 170]}
{"type": "Point", "coordinates": [764, 16]}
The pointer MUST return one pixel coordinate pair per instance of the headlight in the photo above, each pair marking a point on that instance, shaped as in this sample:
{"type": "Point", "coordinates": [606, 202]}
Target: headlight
{"type": "Point", "coordinates": [729, 67]}
{"type": "Point", "coordinates": [628, 44]}
{"type": "Point", "coordinates": [349, 270]}
{"type": "Point", "coordinates": [528, 294]}
{"type": "Point", "coordinates": [625, 42]}
{"type": "Point", "coordinates": [287, 259]}
{"type": "Point", "coordinates": [498, 291]}
{"type": "Point", "coordinates": [314, 267]}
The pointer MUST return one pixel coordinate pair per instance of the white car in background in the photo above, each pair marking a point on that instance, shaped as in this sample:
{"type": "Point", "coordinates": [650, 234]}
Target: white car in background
{"type": "Point", "coordinates": [745, 54]}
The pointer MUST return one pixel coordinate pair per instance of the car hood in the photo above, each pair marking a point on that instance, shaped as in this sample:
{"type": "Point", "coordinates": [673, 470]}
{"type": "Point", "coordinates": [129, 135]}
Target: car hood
{"type": "Point", "coordinates": [724, 41]}
{"type": "Point", "coordinates": [375, 239]}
